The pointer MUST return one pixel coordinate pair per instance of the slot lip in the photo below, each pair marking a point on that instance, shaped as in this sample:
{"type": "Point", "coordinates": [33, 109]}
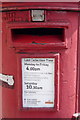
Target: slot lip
{"type": "Point", "coordinates": [62, 45]}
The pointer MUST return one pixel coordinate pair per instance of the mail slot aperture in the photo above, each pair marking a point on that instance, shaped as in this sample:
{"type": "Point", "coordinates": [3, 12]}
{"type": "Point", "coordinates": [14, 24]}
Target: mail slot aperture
{"type": "Point", "coordinates": [39, 35]}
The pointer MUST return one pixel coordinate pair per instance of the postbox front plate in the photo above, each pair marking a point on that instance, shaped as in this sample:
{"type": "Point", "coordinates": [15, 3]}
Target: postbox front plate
{"type": "Point", "coordinates": [18, 42]}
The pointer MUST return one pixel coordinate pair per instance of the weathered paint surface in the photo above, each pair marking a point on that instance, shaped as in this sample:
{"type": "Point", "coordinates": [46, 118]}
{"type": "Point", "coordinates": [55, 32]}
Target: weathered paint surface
{"type": "Point", "coordinates": [78, 71]}
{"type": "Point", "coordinates": [40, 1]}
{"type": "Point", "coordinates": [16, 44]}
{"type": "Point", "coordinates": [1, 63]}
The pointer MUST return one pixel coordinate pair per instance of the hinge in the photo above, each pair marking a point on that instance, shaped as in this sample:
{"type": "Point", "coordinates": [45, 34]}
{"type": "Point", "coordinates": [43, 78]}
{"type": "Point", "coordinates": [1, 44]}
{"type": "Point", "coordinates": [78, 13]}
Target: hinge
{"type": "Point", "coordinates": [7, 78]}
{"type": "Point", "coordinates": [76, 116]}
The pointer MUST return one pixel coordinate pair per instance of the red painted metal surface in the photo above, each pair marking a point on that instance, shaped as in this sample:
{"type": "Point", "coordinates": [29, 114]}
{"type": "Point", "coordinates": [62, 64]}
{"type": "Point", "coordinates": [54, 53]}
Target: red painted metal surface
{"type": "Point", "coordinates": [1, 64]}
{"type": "Point", "coordinates": [40, 1]}
{"type": "Point", "coordinates": [17, 44]}
{"type": "Point", "coordinates": [79, 67]}
{"type": "Point", "coordinates": [72, 6]}
{"type": "Point", "coordinates": [78, 71]}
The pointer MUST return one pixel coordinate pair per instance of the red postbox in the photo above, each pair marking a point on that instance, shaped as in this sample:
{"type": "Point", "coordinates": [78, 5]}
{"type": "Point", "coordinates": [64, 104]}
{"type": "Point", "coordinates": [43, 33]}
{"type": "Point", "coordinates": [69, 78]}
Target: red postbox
{"type": "Point", "coordinates": [39, 58]}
